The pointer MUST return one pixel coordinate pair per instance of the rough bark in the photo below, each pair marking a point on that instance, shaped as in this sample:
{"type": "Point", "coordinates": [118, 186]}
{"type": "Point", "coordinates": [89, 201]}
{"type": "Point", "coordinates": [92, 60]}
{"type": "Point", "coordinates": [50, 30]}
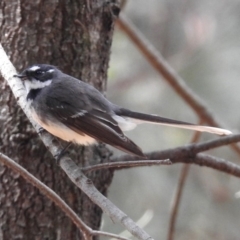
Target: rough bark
{"type": "Point", "coordinates": [75, 36]}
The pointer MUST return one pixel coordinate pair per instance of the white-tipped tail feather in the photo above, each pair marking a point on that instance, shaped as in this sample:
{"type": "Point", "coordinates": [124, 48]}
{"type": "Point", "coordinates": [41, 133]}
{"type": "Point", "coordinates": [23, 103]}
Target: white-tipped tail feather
{"type": "Point", "coordinates": [127, 123]}
{"type": "Point", "coordinates": [218, 131]}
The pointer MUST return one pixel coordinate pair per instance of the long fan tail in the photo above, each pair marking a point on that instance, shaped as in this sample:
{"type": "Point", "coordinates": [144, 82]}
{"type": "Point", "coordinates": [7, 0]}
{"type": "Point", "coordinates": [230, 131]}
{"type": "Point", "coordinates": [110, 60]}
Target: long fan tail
{"type": "Point", "coordinates": [154, 119]}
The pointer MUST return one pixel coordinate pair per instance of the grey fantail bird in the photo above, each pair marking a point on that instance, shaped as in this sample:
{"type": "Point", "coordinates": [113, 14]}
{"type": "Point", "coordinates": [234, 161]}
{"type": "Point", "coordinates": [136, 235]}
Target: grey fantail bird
{"type": "Point", "coordinates": [77, 112]}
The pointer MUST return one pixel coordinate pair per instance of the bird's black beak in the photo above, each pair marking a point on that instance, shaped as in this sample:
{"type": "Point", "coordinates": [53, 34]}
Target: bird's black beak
{"type": "Point", "coordinates": [22, 75]}
{"type": "Point", "coordinates": [19, 76]}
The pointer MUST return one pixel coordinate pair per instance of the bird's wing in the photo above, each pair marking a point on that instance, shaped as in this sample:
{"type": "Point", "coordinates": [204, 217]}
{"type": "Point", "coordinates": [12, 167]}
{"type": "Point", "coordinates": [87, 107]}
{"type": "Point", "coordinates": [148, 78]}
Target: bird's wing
{"type": "Point", "coordinates": [94, 121]}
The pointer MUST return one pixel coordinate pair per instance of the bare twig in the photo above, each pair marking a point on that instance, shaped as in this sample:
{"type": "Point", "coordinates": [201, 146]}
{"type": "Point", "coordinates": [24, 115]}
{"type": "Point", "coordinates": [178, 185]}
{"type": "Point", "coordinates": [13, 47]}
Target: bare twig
{"type": "Point", "coordinates": [7, 71]}
{"type": "Point", "coordinates": [185, 151]}
{"type": "Point", "coordinates": [176, 201]}
{"type": "Point", "coordinates": [185, 154]}
{"type": "Point", "coordinates": [200, 159]}
{"type": "Point", "coordinates": [191, 154]}
{"type": "Point", "coordinates": [123, 165]}
{"type": "Point", "coordinates": [169, 74]}
{"type": "Point", "coordinates": [215, 163]}
{"type": "Point", "coordinates": [188, 154]}
{"type": "Point", "coordinates": [86, 185]}
{"type": "Point", "coordinates": [47, 192]}
{"type": "Point", "coordinates": [159, 63]}
{"type": "Point", "coordinates": [179, 192]}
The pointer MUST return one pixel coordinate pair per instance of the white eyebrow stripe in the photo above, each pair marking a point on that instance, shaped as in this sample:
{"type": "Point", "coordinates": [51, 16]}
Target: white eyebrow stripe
{"type": "Point", "coordinates": [51, 70]}
{"type": "Point", "coordinates": [34, 68]}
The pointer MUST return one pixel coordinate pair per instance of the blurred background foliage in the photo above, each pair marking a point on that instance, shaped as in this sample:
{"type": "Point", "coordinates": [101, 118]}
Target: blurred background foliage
{"type": "Point", "coordinates": [201, 41]}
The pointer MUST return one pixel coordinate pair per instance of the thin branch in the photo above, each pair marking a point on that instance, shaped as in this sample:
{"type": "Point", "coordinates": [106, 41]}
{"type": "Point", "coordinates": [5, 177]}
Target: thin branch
{"type": "Point", "coordinates": [124, 165]}
{"type": "Point", "coordinates": [86, 185]}
{"type": "Point", "coordinates": [184, 154]}
{"type": "Point", "coordinates": [159, 63]}
{"type": "Point", "coordinates": [189, 154]}
{"type": "Point", "coordinates": [176, 201]}
{"type": "Point", "coordinates": [47, 192]}
{"type": "Point", "coordinates": [203, 160]}
{"type": "Point", "coordinates": [7, 70]}
{"type": "Point", "coordinates": [179, 192]}
{"type": "Point", "coordinates": [184, 151]}
{"type": "Point", "coordinates": [142, 221]}
{"type": "Point", "coordinates": [215, 163]}
{"type": "Point", "coordinates": [170, 75]}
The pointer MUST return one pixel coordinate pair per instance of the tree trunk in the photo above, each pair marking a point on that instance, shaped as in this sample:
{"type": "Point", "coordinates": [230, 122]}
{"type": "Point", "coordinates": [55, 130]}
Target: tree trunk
{"type": "Point", "coordinates": [75, 36]}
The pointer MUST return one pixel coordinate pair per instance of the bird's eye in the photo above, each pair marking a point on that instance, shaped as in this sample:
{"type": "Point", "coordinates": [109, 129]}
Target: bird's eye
{"type": "Point", "coordinates": [38, 72]}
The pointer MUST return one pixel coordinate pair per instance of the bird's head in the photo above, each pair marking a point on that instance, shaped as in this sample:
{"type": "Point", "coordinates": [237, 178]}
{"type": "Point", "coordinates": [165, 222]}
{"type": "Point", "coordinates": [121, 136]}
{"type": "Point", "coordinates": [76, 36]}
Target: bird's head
{"type": "Point", "coordinates": [38, 76]}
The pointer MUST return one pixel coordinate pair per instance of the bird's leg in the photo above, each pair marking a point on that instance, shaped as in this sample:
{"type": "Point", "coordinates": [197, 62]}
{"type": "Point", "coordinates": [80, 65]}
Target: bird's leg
{"type": "Point", "coordinates": [41, 130]}
{"type": "Point", "coordinates": [62, 152]}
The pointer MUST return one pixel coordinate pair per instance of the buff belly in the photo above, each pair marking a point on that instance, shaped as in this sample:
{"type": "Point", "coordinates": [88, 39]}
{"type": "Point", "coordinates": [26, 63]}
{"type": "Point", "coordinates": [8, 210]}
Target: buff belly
{"type": "Point", "coordinates": [61, 131]}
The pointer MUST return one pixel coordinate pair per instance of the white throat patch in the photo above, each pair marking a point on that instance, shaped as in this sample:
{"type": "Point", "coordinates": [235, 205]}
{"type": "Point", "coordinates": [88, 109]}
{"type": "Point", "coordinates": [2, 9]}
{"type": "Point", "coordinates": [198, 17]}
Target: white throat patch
{"type": "Point", "coordinates": [35, 84]}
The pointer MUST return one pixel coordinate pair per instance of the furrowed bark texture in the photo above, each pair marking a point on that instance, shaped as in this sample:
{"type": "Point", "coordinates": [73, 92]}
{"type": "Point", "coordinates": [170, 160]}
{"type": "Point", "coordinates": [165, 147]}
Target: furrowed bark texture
{"type": "Point", "coordinates": [75, 36]}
